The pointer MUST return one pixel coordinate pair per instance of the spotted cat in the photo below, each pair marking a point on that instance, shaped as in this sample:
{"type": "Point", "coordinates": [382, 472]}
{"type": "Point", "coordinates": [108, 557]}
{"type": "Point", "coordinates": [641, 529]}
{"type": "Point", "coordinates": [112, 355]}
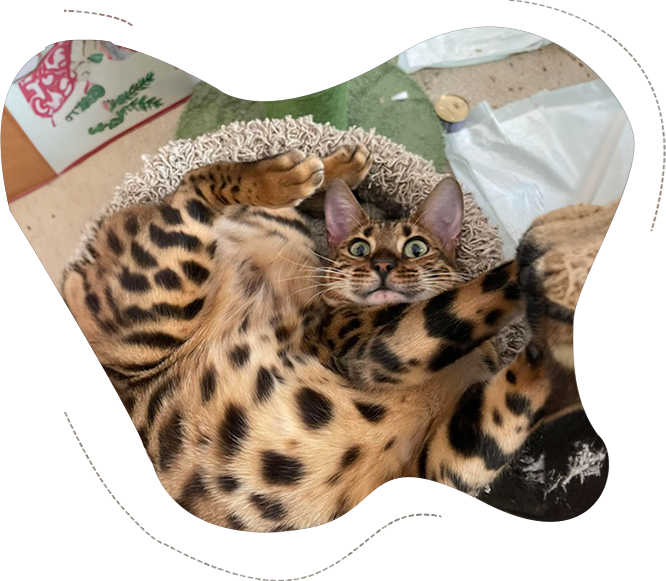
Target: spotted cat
{"type": "Point", "coordinates": [202, 311]}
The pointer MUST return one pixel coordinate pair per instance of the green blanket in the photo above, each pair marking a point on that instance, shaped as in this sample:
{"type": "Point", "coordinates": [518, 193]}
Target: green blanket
{"type": "Point", "coordinates": [411, 122]}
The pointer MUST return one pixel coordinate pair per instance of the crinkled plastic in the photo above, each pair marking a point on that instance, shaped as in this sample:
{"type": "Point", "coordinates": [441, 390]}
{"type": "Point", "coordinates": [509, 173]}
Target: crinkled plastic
{"type": "Point", "coordinates": [470, 46]}
{"type": "Point", "coordinates": [535, 155]}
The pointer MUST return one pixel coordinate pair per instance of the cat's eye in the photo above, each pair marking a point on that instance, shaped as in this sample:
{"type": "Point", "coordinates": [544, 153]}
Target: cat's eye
{"type": "Point", "coordinates": [359, 248]}
{"type": "Point", "coordinates": [415, 248]}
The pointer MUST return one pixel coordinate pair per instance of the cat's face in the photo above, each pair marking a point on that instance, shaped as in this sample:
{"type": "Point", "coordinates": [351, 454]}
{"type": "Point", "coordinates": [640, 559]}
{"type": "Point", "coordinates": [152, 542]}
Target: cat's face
{"type": "Point", "coordinates": [402, 261]}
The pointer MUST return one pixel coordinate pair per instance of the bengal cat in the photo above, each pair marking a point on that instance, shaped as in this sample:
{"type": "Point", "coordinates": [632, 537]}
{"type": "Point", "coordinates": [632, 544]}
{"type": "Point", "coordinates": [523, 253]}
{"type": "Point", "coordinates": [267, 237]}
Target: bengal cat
{"type": "Point", "coordinates": [266, 404]}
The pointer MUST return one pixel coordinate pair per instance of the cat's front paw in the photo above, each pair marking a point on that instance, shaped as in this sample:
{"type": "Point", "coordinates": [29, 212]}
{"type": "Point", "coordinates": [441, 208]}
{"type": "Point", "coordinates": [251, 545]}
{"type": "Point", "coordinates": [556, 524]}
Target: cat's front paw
{"type": "Point", "coordinates": [289, 178]}
{"type": "Point", "coordinates": [349, 163]}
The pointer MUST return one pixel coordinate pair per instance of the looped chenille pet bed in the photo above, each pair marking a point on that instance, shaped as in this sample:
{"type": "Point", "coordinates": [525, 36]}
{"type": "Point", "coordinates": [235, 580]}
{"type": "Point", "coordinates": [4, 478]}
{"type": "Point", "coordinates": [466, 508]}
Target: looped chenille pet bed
{"type": "Point", "coordinates": [397, 183]}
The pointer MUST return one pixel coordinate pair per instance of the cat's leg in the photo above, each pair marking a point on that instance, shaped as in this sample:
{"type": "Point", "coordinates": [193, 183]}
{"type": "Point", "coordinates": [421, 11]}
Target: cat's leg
{"type": "Point", "coordinates": [534, 402]}
{"type": "Point", "coordinates": [406, 344]}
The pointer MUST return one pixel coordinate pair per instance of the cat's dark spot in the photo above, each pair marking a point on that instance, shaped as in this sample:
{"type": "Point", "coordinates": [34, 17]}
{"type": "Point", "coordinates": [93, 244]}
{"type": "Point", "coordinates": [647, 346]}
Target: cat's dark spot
{"type": "Point", "coordinates": [382, 354]}
{"type": "Point", "coordinates": [441, 322]}
{"type": "Point", "coordinates": [512, 292]}
{"type": "Point", "coordinates": [492, 316]}
{"type": "Point", "coordinates": [199, 212]}
{"type": "Point", "coordinates": [315, 408]}
{"type": "Point", "coordinates": [233, 430]}
{"type": "Point", "coordinates": [265, 384]}
{"type": "Point", "coordinates": [211, 248]}
{"type": "Point", "coordinates": [227, 482]}
{"type": "Point", "coordinates": [159, 397]}
{"type": "Point", "coordinates": [282, 334]}
{"type": "Point", "coordinates": [197, 273]}
{"type": "Point", "coordinates": [208, 384]}
{"type": "Point", "coordinates": [390, 315]}
{"type": "Point", "coordinates": [157, 340]}
{"type": "Point", "coordinates": [466, 435]}
{"type": "Point", "coordinates": [270, 509]}
{"type": "Point", "coordinates": [133, 282]}
{"type": "Point", "coordinates": [351, 325]}
{"type": "Point", "coordinates": [235, 522]}
{"type": "Point", "coordinates": [495, 279]}
{"type": "Point", "coordinates": [171, 215]}
{"type": "Point", "coordinates": [517, 404]}
{"type": "Point", "coordinates": [239, 356]}
{"type": "Point", "coordinates": [114, 242]}
{"type": "Point", "coordinates": [370, 411]}
{"type": "Point", "coordinates": [194, 489]}
{"type": "Point", "coordinates": [164, 239]}
{"type": "Point", "coordinates": [350, 456]}
{"type": "Point", "coordinates": [168, 279]}
{"type": "Point", "coordinates": [132, 225]}
{"type": "Point", "coordinates": [170, 440]}
{"type": "Point", "coordinates": [92, 302]}
{"type": "Point", "coordinates": [447, 355]}
{"type": "Point", "coordinates": [277, 468]}
{"type": "Point", "coordinates": [141, 256]}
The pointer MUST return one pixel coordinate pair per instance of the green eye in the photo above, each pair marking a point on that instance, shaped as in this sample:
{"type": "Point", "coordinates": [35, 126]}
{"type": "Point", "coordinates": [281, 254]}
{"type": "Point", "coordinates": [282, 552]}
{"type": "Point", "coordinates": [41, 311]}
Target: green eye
{"type": "Point", "coordinates": [359, 248]}
{"type": "Point", "coordinates": [415, 248]}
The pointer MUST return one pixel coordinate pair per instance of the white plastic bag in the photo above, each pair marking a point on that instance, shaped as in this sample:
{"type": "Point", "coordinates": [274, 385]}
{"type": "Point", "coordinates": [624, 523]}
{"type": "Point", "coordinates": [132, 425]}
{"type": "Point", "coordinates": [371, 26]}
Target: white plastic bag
{"type": "Point", "coordinates": [470, 46]}
{"type": "Point", "coordinates": [553, 149]}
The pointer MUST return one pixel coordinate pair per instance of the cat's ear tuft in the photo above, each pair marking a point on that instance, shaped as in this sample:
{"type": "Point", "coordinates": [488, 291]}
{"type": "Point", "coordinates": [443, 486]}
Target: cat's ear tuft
{"type": "Point", "coordinates": [442, 213]}
{"type": "Point", "coordinates": [343, 212]}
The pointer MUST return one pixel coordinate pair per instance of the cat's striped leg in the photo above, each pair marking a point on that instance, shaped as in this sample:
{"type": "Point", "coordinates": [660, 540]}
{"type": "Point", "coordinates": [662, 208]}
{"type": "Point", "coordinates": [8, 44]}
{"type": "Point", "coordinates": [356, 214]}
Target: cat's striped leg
{"type": "Point", "coordinates": [471, 443]}
{"type": "Point", "coordinates": [406, 344]}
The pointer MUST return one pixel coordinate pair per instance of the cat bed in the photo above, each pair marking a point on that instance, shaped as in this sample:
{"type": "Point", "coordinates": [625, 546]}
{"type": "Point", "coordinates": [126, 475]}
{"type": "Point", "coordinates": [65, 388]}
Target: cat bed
{"type": "Point", "coordinates": [398, 181]}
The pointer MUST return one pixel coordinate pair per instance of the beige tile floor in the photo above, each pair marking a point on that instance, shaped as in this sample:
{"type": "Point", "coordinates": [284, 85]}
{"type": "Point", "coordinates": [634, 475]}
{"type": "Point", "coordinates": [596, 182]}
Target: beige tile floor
{"type": "Point", "coordinates": [52, 216]}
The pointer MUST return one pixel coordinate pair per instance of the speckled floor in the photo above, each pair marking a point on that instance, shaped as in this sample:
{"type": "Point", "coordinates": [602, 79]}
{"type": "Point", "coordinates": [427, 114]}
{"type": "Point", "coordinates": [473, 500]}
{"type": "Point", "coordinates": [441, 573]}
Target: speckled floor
{"type": "Point", "coordinates": [52, 216]}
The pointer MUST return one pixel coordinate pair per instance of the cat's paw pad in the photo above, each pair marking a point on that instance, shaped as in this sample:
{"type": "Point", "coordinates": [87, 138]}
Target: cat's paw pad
{"type": "Point", "coordinates": [349, 163]}
{"type": "Point", "coordinates": [291, 177]}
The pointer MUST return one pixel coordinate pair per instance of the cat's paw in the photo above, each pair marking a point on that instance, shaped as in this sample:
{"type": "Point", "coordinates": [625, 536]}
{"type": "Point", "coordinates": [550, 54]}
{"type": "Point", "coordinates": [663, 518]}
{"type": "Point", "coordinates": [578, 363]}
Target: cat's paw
{"type": "Point", "coordinates": [349, 163]}
{"type": "Point", "coordinates": [289, 178]}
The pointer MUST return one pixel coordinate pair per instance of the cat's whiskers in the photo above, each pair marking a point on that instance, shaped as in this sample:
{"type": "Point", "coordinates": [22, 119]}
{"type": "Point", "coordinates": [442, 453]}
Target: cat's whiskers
{"type": "Point", "coordinates": [321, 293]}
{"type": "Point", "coordinates": [321, 256]}
{"type": "Point", "coordinates": [314, 277]}
{"type": "Point", "coordinates": [321, 284]}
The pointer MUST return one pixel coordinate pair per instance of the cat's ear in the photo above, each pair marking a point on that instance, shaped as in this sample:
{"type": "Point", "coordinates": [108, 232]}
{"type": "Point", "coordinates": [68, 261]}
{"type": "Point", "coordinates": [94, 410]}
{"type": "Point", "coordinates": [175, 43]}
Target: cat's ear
{"type": "Point", "coordinates": [343, 212]}
{"type": "Point", "coordinates": [442, 213]}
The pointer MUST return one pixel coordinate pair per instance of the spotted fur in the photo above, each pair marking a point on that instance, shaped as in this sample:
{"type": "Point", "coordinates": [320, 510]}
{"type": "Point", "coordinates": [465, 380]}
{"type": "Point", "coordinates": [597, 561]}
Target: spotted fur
{"type": "Point", "coordinates": [200, 311]}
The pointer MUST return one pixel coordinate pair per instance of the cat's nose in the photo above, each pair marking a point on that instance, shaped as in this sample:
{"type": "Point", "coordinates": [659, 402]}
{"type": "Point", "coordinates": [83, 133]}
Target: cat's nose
{"type": "Point", "coordinates": [384, 262]}
{"type": "Point", "coordinates": [383, 266]}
